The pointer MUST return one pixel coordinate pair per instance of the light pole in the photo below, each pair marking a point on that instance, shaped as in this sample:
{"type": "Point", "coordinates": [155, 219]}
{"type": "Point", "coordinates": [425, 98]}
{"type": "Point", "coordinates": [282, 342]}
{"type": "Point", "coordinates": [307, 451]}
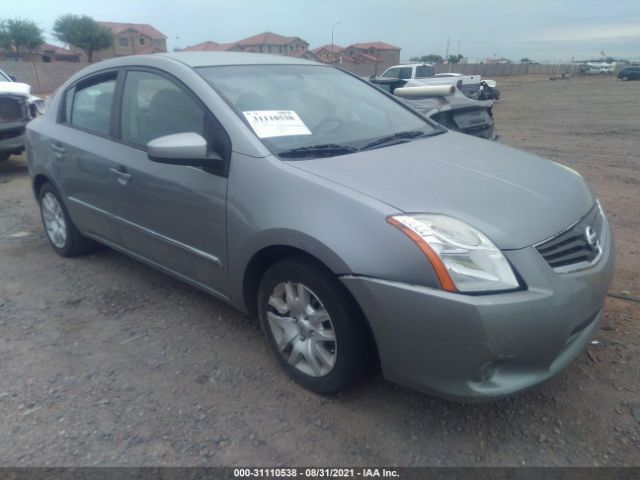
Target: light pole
{"type": "Point", "coordinates": [332, 27]}
{"type": "Point", "coordinates": [460, 38]}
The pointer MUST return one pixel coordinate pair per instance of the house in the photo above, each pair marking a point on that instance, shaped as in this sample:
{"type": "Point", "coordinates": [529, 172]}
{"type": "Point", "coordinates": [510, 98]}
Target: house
{"type": "Point", "coordinates": [269, 42]}
{"type": "Point", "coordinates": [329, 53]}
{"type": "Point", "coordinates": [306, 54]}
{"type": "Point", "coordinates": [382, 54]}
{"type": "Point", "coordinates": [362, 64]}
{"type": "Point", "coordinates": [363, 59]}
{"type": "Point", "coordinates": [131, 39]}
{"type": "Point", "coordinates": [53, 53]}
{"type": "Point", "coordinates": [266, 42]}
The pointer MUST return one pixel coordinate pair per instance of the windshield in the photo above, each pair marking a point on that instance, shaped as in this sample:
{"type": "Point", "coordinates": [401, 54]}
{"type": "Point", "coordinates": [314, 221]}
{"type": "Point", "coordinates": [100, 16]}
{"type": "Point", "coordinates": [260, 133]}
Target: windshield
{"type": "Point", "coordinates": [311, 108]}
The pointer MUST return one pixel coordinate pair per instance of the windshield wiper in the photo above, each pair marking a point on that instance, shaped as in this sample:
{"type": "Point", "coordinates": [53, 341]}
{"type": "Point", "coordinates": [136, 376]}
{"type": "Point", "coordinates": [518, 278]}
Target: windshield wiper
{"type": "Point", "coordinates": [406, 136]}
{"type": "Point", "coordinates": [313, 151]}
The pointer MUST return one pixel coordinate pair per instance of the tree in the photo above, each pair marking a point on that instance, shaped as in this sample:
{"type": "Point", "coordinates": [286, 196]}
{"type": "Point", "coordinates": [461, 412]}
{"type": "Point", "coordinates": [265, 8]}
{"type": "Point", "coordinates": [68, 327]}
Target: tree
{"type": "Point", "coordinates": [83, 32]}
{"type": "Point", "coordinates": [525, 60]}
{"type": "Point", "coordinates": [431, 58]}
{"type": "Point", "coordinates": [18, 35]}
{"type": "Point", "coordinates": [455, 58]}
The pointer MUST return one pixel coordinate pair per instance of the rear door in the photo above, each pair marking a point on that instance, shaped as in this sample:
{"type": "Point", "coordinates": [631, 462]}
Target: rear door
{"type": "Point", "coordinates": [81, 147]}
{"type": "Point", "coordinates": [171, 215]}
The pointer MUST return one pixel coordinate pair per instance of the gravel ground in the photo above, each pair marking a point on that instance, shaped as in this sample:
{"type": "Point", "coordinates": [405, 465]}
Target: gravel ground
{"type": "Point", "coordinates": [104, 361]}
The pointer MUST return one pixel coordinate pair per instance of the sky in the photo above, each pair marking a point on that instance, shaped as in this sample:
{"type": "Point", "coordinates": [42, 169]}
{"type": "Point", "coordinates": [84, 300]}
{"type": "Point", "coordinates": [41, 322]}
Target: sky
{"type": "Point", "coordinates": [541, 30]}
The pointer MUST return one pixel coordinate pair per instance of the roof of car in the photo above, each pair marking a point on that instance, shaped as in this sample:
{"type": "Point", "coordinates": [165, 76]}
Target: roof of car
{"type": "Point", "coordinates": [210, 59]}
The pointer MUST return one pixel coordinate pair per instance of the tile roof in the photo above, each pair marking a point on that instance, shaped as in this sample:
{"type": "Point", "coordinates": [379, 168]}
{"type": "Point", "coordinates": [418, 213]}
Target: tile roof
{"type": "Point", "coordinates": [375, 45]}
{"type": "Point", "coordinates": [308, 54]}
{"type": "Point", "coordinates": [150, 49]}
{"type": "Point", "coordinates": [48, 47]}
{"type": "Point", "coordinates": [336, 48]}
{"type": "Point", "coordinates": [143, 28]}
{"type": "Point", "coordinates": [210, 46]}
{"type": "Point", "coordinates": [267, 38]}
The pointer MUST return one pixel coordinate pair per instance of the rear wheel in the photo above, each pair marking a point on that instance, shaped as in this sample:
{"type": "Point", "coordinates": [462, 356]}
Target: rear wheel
{"type": "Point", "coordinates": [61, 232]}
{"type": "Point", "coordinates": [313, 327]}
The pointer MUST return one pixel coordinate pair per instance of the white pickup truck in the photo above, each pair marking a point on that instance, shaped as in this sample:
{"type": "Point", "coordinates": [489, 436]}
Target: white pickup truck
{"type": "Point", "coordinates": [424, 73]}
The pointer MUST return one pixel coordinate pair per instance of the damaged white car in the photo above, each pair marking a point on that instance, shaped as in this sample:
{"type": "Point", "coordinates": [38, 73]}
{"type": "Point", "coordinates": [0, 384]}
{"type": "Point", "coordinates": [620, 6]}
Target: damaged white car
{"type": "Point", "coordinates": [445, 104]}
{"type": "Point", "coordinates": [17, 108]}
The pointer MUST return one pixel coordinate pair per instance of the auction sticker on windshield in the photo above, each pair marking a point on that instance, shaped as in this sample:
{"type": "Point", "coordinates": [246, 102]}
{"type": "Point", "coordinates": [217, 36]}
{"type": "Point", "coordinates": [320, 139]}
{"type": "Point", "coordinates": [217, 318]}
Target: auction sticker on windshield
{"type": "Point", "coordinates": [276, 123]}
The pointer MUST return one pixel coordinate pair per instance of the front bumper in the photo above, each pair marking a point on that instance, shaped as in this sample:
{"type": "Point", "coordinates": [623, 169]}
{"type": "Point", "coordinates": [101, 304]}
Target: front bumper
{"type": "Point", "coordinates": [475, 348]}
{"type": "Point", "coordinates": [12, 136]}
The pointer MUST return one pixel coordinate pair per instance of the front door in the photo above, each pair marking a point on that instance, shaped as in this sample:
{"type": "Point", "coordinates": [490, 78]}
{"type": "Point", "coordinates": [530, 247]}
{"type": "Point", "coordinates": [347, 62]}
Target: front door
{"type": "Point", "coordinates": [173, 216]}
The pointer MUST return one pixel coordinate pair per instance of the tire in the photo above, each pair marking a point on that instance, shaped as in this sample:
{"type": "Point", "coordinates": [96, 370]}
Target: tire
{"type": "Point", "coordinates": [60, 230]}
{"type": "Point", "coordinates": [624, 78]}
{"type": "Point", "coordinates": [4, 156]}
{"type": "Point", "coordinates": [307, 352]}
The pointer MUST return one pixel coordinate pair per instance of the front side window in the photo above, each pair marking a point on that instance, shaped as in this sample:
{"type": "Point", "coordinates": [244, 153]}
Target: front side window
{"type": "Point", "coordinates": [392, 73]}
{"type": "Point", "coordinates": [91, 104]}
{"type": "Point", "coordinates": [294, 106]}
{"type": "Point", "coordinates": [154, 106]}
{"type": "Point", "coordinates": [405, 73]}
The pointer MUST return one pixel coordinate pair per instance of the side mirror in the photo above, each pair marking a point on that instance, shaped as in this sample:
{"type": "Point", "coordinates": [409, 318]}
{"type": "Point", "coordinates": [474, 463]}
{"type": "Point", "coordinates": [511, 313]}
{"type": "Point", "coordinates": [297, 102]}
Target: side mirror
{"type": "Point", "coordinates": [13, 78]}
{"type": "Point", "coordinates": [182, 149]}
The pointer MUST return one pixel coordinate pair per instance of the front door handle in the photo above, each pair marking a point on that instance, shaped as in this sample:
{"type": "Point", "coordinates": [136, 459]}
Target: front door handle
{"type": "Point", "coordinates": [122, 175]}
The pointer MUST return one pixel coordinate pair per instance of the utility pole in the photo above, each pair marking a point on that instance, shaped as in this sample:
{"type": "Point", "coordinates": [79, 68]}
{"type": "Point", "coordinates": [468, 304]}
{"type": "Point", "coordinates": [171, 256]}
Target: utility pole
{"type": "Point", "coordinates": [446, 55]}
{"type": "Point", "coordinates": [332, 27]}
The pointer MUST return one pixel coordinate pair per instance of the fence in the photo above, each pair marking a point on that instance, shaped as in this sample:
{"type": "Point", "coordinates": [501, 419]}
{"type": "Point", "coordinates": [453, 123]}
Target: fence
{"type": "Point", "coordinates": [46, 77]}
{"type": "Point", "coordinates": [43, 77]}
{"type": "Point", "coordinates": [506, 69]}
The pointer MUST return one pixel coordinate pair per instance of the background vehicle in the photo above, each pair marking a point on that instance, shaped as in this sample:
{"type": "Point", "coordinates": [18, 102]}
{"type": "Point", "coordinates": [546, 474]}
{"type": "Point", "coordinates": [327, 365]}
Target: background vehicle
{"type": "Point", "coordinates": [629, 73]}
{"type": "Point", "coordinates": [597, 68]}
{"type": "Point", "coordinates": [17, 107]}
{"type": "Point", "coordinates": [425, 74]}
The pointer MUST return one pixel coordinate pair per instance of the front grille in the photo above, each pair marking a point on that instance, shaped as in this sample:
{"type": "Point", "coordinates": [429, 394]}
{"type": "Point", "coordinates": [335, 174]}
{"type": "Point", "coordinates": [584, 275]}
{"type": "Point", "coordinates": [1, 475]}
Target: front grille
{"type": "Point", "coordinates": [12, 109]}
{"type": "Point", "coordinates": [576, 247]}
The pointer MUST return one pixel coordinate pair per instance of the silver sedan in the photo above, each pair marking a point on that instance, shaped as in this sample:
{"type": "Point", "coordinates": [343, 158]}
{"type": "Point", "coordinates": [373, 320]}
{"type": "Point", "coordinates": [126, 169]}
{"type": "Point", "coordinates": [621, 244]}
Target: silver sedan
{"type": "Point", "coordinates": [361, 234]}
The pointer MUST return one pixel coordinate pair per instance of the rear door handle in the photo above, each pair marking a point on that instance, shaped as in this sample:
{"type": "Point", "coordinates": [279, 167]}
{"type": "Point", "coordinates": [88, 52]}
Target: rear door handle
{"type": "Point", "coordinates": [58, 149]}
{"type": "Point", "coordinates": [122, 175]}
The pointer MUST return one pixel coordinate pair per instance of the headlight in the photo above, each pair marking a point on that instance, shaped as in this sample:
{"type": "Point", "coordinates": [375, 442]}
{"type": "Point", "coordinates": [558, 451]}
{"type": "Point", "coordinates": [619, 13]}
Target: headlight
{"type": "Point", "coordinates": [463, 258]}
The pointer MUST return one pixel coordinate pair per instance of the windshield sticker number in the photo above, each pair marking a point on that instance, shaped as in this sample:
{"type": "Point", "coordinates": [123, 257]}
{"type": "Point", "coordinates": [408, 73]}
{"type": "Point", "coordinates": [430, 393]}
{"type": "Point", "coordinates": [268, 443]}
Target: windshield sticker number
{"type": "Point", "coordinates": [276, 123]}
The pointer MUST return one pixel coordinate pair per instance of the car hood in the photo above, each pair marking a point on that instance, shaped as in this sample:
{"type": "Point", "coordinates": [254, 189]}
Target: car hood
{"type": "Point", "coordinates": [515, 198]}
{"type": "Point", "coordinates": [15, 88]}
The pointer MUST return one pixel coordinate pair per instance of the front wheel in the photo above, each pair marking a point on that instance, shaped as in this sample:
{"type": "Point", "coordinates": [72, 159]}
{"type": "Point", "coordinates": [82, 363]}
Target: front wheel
{"type": "Point", "coordinates": [4, 156]}
{"type": "Point", "coordinates": [313, 327]}
{"type": "Point", "coordinates": [624, 78]}
{"type": "Point", "coordinates": [61, 232]}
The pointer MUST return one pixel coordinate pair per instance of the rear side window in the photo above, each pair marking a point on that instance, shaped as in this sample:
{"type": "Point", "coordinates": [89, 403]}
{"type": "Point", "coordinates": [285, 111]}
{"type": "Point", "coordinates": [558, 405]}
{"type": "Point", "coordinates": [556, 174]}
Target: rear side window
{"type": "Point", "coordinates": [154, 106]}
{"type": "Point", "coordinates": [91, 104]}
{"type": "Point", "coordinates": [424, 71]}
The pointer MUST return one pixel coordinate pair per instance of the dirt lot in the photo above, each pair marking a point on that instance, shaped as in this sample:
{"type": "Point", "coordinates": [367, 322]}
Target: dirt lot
{"type": "Point", "coordinates": [104, 361]}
